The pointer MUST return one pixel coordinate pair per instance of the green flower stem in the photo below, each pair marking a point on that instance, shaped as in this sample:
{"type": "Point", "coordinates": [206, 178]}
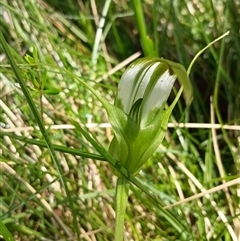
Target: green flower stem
{"type": "Point", "coordinates": [121, 199]}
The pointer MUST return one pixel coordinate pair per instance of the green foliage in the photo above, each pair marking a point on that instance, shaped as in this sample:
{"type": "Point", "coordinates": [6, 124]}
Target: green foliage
{"type": "Point", "coordinates": [139, 127]}
{"type": "Point", "coordinates": [5, 232]}
{"type": "Point", "coordinates": [55, 181]}
{"type": "Point", "coordinates": [41, 86]}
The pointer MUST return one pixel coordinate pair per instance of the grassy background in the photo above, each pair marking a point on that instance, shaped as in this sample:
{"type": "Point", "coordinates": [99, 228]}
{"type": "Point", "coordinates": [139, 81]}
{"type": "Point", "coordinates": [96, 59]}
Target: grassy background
{"type": "Point", "coordinates": [68, 194]}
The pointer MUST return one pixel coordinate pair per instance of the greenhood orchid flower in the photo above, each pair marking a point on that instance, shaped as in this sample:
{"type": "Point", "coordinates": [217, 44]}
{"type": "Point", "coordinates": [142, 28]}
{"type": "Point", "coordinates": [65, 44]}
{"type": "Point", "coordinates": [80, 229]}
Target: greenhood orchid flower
{"type": "Point", "coordinates": [143, 95]}
{"type": "Point", "coordinates": [140, 120]}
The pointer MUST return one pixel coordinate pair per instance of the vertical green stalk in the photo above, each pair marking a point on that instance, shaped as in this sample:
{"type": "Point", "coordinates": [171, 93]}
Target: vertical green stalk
{"type": "Point", "coordinates": [146, 42]}
{"type": "Point", "coordinates": [121, 199]}
{"type": "Point", "coordinates": [155, 31]}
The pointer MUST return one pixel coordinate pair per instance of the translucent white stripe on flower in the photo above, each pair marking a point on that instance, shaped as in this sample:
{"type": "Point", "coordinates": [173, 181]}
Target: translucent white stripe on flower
{"type": "Point", "coordinates": [132, 87]}
{"type": "Point", "coordinates": [150, 81]}
{"type": "Point", "coordinates": [157, 95]}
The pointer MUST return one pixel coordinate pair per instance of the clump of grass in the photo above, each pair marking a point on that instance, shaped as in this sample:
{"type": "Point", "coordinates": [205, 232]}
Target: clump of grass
{"type": "Point", "coordinates": [58, 185]}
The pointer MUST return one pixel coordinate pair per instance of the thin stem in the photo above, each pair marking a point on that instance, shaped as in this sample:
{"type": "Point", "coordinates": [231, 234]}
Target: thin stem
{"type": "Point", "coordinates": [121, 199]}
{"type": "Point", "coordinates": [146, 42]}
{"type": "Point", "coordinates": [40, 92]}
{"type": "Point", "coordinates": [202, 50]}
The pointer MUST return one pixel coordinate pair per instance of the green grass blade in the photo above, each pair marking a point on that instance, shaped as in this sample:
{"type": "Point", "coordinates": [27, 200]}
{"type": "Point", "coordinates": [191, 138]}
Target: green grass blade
{"type": "Point", "coordinates": [146, 42]}
{"type": "Point", "coordinates": [5, 232]}
{"type": "Point", "coordinates": [36, 115]}
{"type": "Point", "coordinates": [59, 148]}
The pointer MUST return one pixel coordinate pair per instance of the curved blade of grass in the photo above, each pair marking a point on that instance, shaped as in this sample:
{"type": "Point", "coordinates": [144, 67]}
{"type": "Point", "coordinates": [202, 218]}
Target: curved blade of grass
{"type": "Point", "coordinates": [5, 232]}
{"type": "Point", "coordinates": [27, 231]}
{"type": "Point", "coordinates": [36, 115]}
{"type": "Point", "coordinates": [59, 148]}
{"type": "Point", "coordinates": [202, 50]}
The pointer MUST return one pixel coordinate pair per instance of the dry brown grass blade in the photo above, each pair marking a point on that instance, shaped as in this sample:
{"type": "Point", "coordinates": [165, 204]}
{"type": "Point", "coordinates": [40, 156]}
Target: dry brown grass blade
{"type": "Point", "coordinates": [107, 125]}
